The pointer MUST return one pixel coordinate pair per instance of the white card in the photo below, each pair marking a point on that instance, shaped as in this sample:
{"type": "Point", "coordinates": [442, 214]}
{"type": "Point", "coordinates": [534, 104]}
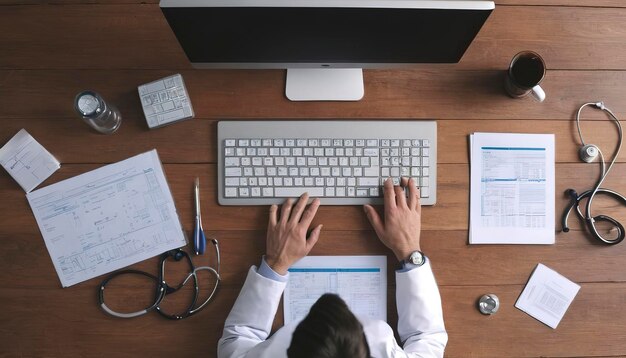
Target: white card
{"type": "Point", "coordinates": [27, 161]}
{"type": "Point", "coordinates": [547, 296]}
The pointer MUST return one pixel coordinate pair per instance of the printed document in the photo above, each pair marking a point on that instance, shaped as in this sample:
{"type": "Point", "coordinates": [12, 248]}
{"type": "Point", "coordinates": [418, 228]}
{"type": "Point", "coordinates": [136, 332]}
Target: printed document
{"type": "Point", "coordinates": [512, 188]}
{"type": "Point", "coordinates": [108, 218]}
{"type": "Point", "coordinates": [547, 296]}
{"type": "Point", "coordinates": [361, 281]}
{"type": "Point", "coordinates": [27, 161]}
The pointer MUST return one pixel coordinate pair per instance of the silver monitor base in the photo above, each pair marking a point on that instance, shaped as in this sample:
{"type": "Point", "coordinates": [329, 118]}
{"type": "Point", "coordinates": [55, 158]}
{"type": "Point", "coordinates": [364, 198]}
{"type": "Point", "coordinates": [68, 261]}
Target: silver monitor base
{"type": "Point", "coordinates": [325, 84]}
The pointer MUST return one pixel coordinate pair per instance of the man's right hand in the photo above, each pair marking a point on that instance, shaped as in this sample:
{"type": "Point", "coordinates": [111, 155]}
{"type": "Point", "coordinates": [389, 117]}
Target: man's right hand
{"type": "Point", "coordinates": [400, 230]}
{"type": "Point", "coordinates": [287, 240]}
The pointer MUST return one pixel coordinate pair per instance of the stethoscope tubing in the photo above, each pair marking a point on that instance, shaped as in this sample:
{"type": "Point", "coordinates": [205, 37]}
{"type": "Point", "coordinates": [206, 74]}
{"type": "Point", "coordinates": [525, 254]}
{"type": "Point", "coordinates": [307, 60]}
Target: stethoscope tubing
{"type": "Point", "coordinates": [162, 289]}
{"type": "Point", "coordinates": [590, 194]}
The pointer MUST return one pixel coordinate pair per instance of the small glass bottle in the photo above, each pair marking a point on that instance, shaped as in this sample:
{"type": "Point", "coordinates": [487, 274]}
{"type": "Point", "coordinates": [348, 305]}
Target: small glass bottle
{"type": "Point", "coordinates": [99, 115]}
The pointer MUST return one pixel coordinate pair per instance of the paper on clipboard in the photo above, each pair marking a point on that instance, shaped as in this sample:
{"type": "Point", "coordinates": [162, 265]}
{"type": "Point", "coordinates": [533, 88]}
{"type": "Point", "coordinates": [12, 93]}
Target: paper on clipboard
{"type": "Point", "coordinates": [512, 188]}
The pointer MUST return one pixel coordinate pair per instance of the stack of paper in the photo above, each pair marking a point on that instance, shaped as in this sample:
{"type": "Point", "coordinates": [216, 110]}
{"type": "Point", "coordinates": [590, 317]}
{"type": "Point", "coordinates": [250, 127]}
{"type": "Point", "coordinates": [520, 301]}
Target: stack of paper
{"type": "Point", "coordinates": [512, 188]}
{"type": "Point", "coordinates": [107, 218]}
{"type": "Point", "coordinates": [547, 296]}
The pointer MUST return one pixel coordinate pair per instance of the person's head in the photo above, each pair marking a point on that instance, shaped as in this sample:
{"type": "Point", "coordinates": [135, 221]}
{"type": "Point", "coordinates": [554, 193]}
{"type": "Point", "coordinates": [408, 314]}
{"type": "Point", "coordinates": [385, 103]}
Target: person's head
{"type": "Point", "coordinates": [330, 330]}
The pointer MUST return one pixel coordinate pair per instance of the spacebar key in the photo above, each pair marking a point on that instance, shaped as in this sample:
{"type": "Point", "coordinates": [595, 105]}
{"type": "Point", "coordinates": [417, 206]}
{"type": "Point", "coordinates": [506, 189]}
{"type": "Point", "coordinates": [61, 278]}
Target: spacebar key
{"type": "Point", "coordinates": [293, 192]}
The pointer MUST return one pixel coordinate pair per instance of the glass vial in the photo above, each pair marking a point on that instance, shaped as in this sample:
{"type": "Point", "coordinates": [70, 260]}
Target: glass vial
{"type": "Point", "coordinates": [99, 115]}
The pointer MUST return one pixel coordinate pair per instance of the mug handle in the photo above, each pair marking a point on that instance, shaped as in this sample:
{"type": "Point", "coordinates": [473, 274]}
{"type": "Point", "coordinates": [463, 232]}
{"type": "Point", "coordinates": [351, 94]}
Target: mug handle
{"type": "Point", "coordinates": [538, 93]}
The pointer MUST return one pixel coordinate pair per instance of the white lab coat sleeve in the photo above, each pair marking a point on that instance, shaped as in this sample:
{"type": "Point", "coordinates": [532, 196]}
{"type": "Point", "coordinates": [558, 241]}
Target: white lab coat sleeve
{"type": "Point", "coordinates": [250, 320]}
{"type": "Point", "coordinates": [420, 316]}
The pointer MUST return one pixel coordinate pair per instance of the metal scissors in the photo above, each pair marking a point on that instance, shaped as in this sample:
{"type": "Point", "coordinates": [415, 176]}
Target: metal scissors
{"type": "Point", "coordinates": [199, 240]}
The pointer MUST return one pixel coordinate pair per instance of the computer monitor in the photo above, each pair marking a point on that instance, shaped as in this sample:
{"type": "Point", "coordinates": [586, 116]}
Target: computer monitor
{"type": "Point", "coordinates": [324, 44]}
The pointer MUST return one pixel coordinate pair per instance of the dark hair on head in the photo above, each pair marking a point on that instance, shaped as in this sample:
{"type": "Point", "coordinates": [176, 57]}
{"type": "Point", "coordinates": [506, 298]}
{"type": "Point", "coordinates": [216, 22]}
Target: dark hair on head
{"type": "Point", "coordinates": [330, 330]}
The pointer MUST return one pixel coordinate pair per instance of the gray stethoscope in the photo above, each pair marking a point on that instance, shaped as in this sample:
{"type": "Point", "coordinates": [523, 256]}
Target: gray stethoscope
{"type": "Point", "coordinates": [588, 153]}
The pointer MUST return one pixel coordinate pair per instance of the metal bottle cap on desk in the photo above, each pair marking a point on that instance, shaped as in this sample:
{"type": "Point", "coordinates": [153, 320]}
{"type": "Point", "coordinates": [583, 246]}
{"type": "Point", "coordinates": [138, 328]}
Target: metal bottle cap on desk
{"type": "Point", "coordinates": [488, 304]}
{"type": "Point", "coordinates": [98, 114]}
{"type": "Point", "coordinates": [88, 104]}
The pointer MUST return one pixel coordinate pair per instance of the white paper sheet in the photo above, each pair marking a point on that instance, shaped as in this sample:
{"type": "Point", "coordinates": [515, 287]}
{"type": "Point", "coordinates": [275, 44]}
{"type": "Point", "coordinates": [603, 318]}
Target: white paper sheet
{"type": "Point", "coordinates": [512, 188]}
{"type": "Point", "coordinates": [361, 281]}
{"type": "Point", "coordinates": [27, 161]}
{"type": "Point", "coordinates": [547, 296]}
{"type": "Point", "coordinates": [108, 218]}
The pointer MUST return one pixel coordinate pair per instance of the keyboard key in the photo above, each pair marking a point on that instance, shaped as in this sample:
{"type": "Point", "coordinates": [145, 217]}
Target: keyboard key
{"type": "Point", "coordinates": [231, 181]}
{"type": "Point", "coordinates": [230, 192]}
{"type": "Point", "coordinates": [372, 152]}
{"type": "Point", "coordinates": [231, 162]}
{"type": "Point", "coordinates": [232, 172]}
{"type": "Point", "coordinates": [424, 192]}
{"type": "Point", "coordinates": [293, 192]}
{"type": "Point", "coordinates": [368, 181]}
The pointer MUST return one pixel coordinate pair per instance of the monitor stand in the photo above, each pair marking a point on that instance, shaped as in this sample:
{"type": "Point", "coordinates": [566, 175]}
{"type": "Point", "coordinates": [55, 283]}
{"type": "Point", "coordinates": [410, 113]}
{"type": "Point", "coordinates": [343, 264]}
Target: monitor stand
{"type": "Point", "coordinates": [324, 84]}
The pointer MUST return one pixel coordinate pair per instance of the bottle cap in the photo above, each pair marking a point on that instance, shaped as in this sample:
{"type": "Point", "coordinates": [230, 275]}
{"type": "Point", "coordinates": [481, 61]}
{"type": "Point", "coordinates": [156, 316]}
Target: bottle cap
{"type": "Point", "coordinates": [88, 104]}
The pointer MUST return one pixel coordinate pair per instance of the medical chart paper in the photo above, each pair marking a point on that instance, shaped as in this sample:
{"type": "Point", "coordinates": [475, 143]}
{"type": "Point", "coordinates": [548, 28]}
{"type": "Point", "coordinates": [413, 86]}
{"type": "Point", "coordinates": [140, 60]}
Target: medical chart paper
{"type": "Point", "coordinates": [27, 161]}
{"type": "Point", "coordinates": [108, 218]}
{"type": "Point", "coordinates": [547, 296]}
{"type": "Point", "coordinates": [512, 188]}
{"type": "Point", "coordinates": [361, 281]}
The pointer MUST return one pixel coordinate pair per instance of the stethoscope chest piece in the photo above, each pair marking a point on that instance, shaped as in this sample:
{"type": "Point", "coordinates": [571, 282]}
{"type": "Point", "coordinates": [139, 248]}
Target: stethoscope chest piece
{"type": "Point", "coordinates": [488, 304]}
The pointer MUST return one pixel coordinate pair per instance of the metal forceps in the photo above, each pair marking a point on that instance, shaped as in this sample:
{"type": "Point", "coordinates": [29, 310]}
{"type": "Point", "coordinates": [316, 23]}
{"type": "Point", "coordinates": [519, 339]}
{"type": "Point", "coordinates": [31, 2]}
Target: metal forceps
{"type": "Point", "coordinates": [199, 240]}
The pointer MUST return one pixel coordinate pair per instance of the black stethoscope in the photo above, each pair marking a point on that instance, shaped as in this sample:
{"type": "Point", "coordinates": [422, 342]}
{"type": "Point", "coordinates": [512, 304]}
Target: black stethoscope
{"type": "Point", "coordinates": [163, 289]}
{"type": "Point", "coordinates": [588, 153]}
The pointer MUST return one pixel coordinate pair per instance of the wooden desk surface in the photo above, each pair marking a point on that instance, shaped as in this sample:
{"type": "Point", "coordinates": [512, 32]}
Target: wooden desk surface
{"type": "Point", "coordinates": [50, 50]}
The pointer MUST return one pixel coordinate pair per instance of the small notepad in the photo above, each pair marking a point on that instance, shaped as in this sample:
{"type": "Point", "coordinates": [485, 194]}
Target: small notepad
{"type": "Point", "coordinates": [27, 161]}
{"type": "Point", "coordinates": [547, 296]}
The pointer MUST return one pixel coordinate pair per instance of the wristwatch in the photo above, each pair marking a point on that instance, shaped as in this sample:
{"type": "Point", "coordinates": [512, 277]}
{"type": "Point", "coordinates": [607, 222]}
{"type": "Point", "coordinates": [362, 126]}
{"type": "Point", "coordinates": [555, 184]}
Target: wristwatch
{"type": "Point", "coordinates": [416, 258]}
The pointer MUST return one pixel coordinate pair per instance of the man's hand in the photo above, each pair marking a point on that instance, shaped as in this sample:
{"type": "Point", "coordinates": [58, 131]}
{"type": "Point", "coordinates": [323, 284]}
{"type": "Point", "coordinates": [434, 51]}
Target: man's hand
{"type": "Point", "coordinates": [401, 229]}
{"type": "Point", "coordinates": [286, 238]}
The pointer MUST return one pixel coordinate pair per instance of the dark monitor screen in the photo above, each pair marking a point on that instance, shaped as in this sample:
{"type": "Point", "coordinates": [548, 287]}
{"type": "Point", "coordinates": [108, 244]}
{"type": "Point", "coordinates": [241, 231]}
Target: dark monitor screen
{"type": "Point", "coordinates": [337, 36]}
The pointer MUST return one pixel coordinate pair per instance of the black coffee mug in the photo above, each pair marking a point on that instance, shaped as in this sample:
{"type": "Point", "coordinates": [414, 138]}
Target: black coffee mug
{"type": "Point", "coordinates": [526, 71]}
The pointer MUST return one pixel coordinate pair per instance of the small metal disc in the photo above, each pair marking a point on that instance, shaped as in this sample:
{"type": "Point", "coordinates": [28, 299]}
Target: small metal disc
{"type": "Point", "coordinates": [88, 104]}
{"type": "Point", "coordinates": [488, 304]}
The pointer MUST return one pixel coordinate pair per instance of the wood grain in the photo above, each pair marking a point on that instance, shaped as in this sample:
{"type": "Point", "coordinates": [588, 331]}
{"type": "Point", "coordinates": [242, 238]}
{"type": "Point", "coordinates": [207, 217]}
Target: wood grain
{"type": "Point", "coordinates": [51, 50]}
{"type": "Point", "coordinates": [223, 94]}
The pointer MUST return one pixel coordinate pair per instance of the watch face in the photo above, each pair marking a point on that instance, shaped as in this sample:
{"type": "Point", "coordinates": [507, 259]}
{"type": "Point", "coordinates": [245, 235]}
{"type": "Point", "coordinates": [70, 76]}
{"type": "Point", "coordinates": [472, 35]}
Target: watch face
{"type": "Point", "coordinates": [417, 258]}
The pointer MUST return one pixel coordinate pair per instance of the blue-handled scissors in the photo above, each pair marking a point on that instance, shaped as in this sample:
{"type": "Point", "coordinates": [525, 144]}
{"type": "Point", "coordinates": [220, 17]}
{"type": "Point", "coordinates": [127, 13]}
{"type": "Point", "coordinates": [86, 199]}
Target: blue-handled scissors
{"type": "Point", "coordinates": [199, 240]}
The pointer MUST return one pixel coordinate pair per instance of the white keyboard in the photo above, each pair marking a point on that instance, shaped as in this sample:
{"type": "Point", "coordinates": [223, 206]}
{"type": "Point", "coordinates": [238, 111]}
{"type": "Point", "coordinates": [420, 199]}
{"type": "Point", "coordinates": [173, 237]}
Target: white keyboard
{"type": "Point", "coordinates": [341, 162]}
